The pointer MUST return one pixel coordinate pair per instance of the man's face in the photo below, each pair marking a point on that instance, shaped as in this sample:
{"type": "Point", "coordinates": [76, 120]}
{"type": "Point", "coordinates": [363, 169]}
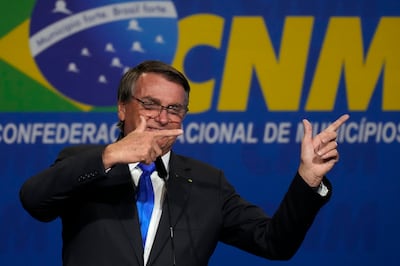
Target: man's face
{"type": "Point", "coordinates": [152, 91]}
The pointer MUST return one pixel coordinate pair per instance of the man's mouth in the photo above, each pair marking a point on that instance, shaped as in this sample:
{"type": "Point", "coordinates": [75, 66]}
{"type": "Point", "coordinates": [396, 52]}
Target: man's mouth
{"type": "Point", "coordinates": [153, 129]}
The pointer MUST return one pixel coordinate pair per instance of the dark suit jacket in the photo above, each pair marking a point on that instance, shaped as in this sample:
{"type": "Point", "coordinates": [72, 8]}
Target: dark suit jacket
{"type": "Point", "coordinates": [100, 224]}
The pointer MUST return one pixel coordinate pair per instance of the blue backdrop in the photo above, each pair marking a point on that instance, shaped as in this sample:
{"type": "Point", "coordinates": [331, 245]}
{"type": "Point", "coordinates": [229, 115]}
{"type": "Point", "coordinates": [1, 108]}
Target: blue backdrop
{"type": "Point", "coordinates": [257, 68]}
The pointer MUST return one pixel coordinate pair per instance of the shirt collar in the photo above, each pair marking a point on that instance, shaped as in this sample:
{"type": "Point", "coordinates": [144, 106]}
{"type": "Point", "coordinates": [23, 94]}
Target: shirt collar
{"type": "Point", "coordinates": [135, 171]}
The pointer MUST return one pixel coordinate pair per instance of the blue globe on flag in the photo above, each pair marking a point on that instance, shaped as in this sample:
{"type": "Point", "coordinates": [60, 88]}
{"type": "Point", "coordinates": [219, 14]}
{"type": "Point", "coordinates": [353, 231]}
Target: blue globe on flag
{"type": "Point", "coordinates": [84, 47]}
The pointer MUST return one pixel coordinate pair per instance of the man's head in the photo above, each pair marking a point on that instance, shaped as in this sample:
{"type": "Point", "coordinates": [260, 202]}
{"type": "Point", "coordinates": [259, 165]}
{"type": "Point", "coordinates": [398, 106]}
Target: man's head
{"type": "Point", "coordinates": [156, 91]}
{"type": "Point", "coordinates": [127, 85]}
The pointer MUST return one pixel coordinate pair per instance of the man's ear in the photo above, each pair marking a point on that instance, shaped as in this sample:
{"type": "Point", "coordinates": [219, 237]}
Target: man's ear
{"type": "Point", "coordinates": [121, 111]}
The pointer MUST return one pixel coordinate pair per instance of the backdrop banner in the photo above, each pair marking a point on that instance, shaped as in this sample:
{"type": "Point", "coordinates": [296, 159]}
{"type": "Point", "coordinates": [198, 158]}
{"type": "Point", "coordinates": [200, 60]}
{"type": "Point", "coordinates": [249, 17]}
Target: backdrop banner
{"type": "Point", "coordinates": [256, 69]}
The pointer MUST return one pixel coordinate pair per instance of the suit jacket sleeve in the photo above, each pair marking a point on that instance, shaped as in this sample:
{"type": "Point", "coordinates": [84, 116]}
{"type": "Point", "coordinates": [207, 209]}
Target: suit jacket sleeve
{"type": "Point", "coordinates": [44, 195]}
{"type": "Point", "coordinates": [278, 237]}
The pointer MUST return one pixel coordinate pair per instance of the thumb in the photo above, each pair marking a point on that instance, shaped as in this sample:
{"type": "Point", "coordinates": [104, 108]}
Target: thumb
{"type": "Point", "coordinates": [142, 124]}
{"type": "Point", "coordinates": [307, 130]}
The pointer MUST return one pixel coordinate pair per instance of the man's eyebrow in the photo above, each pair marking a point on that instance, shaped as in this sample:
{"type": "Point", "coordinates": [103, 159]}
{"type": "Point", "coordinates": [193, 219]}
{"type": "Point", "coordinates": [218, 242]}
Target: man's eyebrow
{"type": "Point", "coordinates": [158, 101]}
{"type": "Point", "coordinates": [149, 98]}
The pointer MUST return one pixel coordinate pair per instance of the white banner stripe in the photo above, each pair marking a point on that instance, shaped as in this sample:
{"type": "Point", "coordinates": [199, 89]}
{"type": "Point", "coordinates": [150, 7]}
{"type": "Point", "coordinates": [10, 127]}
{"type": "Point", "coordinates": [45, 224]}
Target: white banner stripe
{"type": "Point", "coordinates": [64, 28]}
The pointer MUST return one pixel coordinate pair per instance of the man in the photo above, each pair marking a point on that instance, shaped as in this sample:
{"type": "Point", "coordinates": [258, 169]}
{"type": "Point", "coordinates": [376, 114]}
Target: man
{"type": "Point", "coordinates": [95, 188]}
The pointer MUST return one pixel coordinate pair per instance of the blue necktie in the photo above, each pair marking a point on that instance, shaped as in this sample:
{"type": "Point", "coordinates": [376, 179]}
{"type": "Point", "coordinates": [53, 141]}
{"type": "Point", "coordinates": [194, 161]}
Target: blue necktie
{"type": "Point", "coordinates": [145, 198]}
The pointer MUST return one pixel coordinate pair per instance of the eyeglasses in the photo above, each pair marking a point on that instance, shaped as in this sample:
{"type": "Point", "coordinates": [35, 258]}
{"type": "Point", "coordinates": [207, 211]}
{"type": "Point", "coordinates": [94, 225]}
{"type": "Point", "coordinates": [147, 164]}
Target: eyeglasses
{"type": "Point", "coordinates": [174, 110]}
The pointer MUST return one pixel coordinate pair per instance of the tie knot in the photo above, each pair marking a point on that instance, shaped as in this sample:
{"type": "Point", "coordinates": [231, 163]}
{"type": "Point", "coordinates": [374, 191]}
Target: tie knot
{"type": "Point", "coordinates": [147, 168]}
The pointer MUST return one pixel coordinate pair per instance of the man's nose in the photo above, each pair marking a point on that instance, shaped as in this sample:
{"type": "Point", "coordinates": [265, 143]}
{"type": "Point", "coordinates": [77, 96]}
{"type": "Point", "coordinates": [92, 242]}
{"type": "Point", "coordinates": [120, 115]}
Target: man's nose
{"type": "Point", "coordinates": [162, 116]}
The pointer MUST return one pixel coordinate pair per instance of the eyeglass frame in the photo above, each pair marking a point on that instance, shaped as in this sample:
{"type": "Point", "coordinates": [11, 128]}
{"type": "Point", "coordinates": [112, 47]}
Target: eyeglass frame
{"type": "Point", "coordinates": [152, 105]}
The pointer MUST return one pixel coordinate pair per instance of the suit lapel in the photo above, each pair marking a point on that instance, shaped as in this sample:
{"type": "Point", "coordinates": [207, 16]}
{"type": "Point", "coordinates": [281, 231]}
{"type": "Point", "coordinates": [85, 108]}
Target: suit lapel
{"type": "Point", "coordinates": [178, 192]}
{"type": "Point", "coordinates": [126, 211]}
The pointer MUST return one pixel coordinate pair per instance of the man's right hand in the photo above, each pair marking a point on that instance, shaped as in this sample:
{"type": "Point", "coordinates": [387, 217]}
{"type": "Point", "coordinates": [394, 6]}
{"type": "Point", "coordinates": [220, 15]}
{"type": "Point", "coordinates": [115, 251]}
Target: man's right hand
{"type": "Point", "coordinates": [140, 145]}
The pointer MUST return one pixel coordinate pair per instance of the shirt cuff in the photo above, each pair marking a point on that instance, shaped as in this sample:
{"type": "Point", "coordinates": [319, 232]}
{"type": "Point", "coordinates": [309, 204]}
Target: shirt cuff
{"type": "Point", "coordinates": [322, 190]}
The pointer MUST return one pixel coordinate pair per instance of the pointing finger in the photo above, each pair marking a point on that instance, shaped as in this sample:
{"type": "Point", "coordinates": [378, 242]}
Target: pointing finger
{"type": "Point", "coordinates": [335, 125]}
{"type": "Point", "coordinates": [168, 133]}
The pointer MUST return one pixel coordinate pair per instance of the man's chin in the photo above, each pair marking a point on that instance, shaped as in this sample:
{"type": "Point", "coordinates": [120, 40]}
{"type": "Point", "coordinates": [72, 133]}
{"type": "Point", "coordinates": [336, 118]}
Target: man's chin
{"type": "Point", "coordinates": [166, 147]}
